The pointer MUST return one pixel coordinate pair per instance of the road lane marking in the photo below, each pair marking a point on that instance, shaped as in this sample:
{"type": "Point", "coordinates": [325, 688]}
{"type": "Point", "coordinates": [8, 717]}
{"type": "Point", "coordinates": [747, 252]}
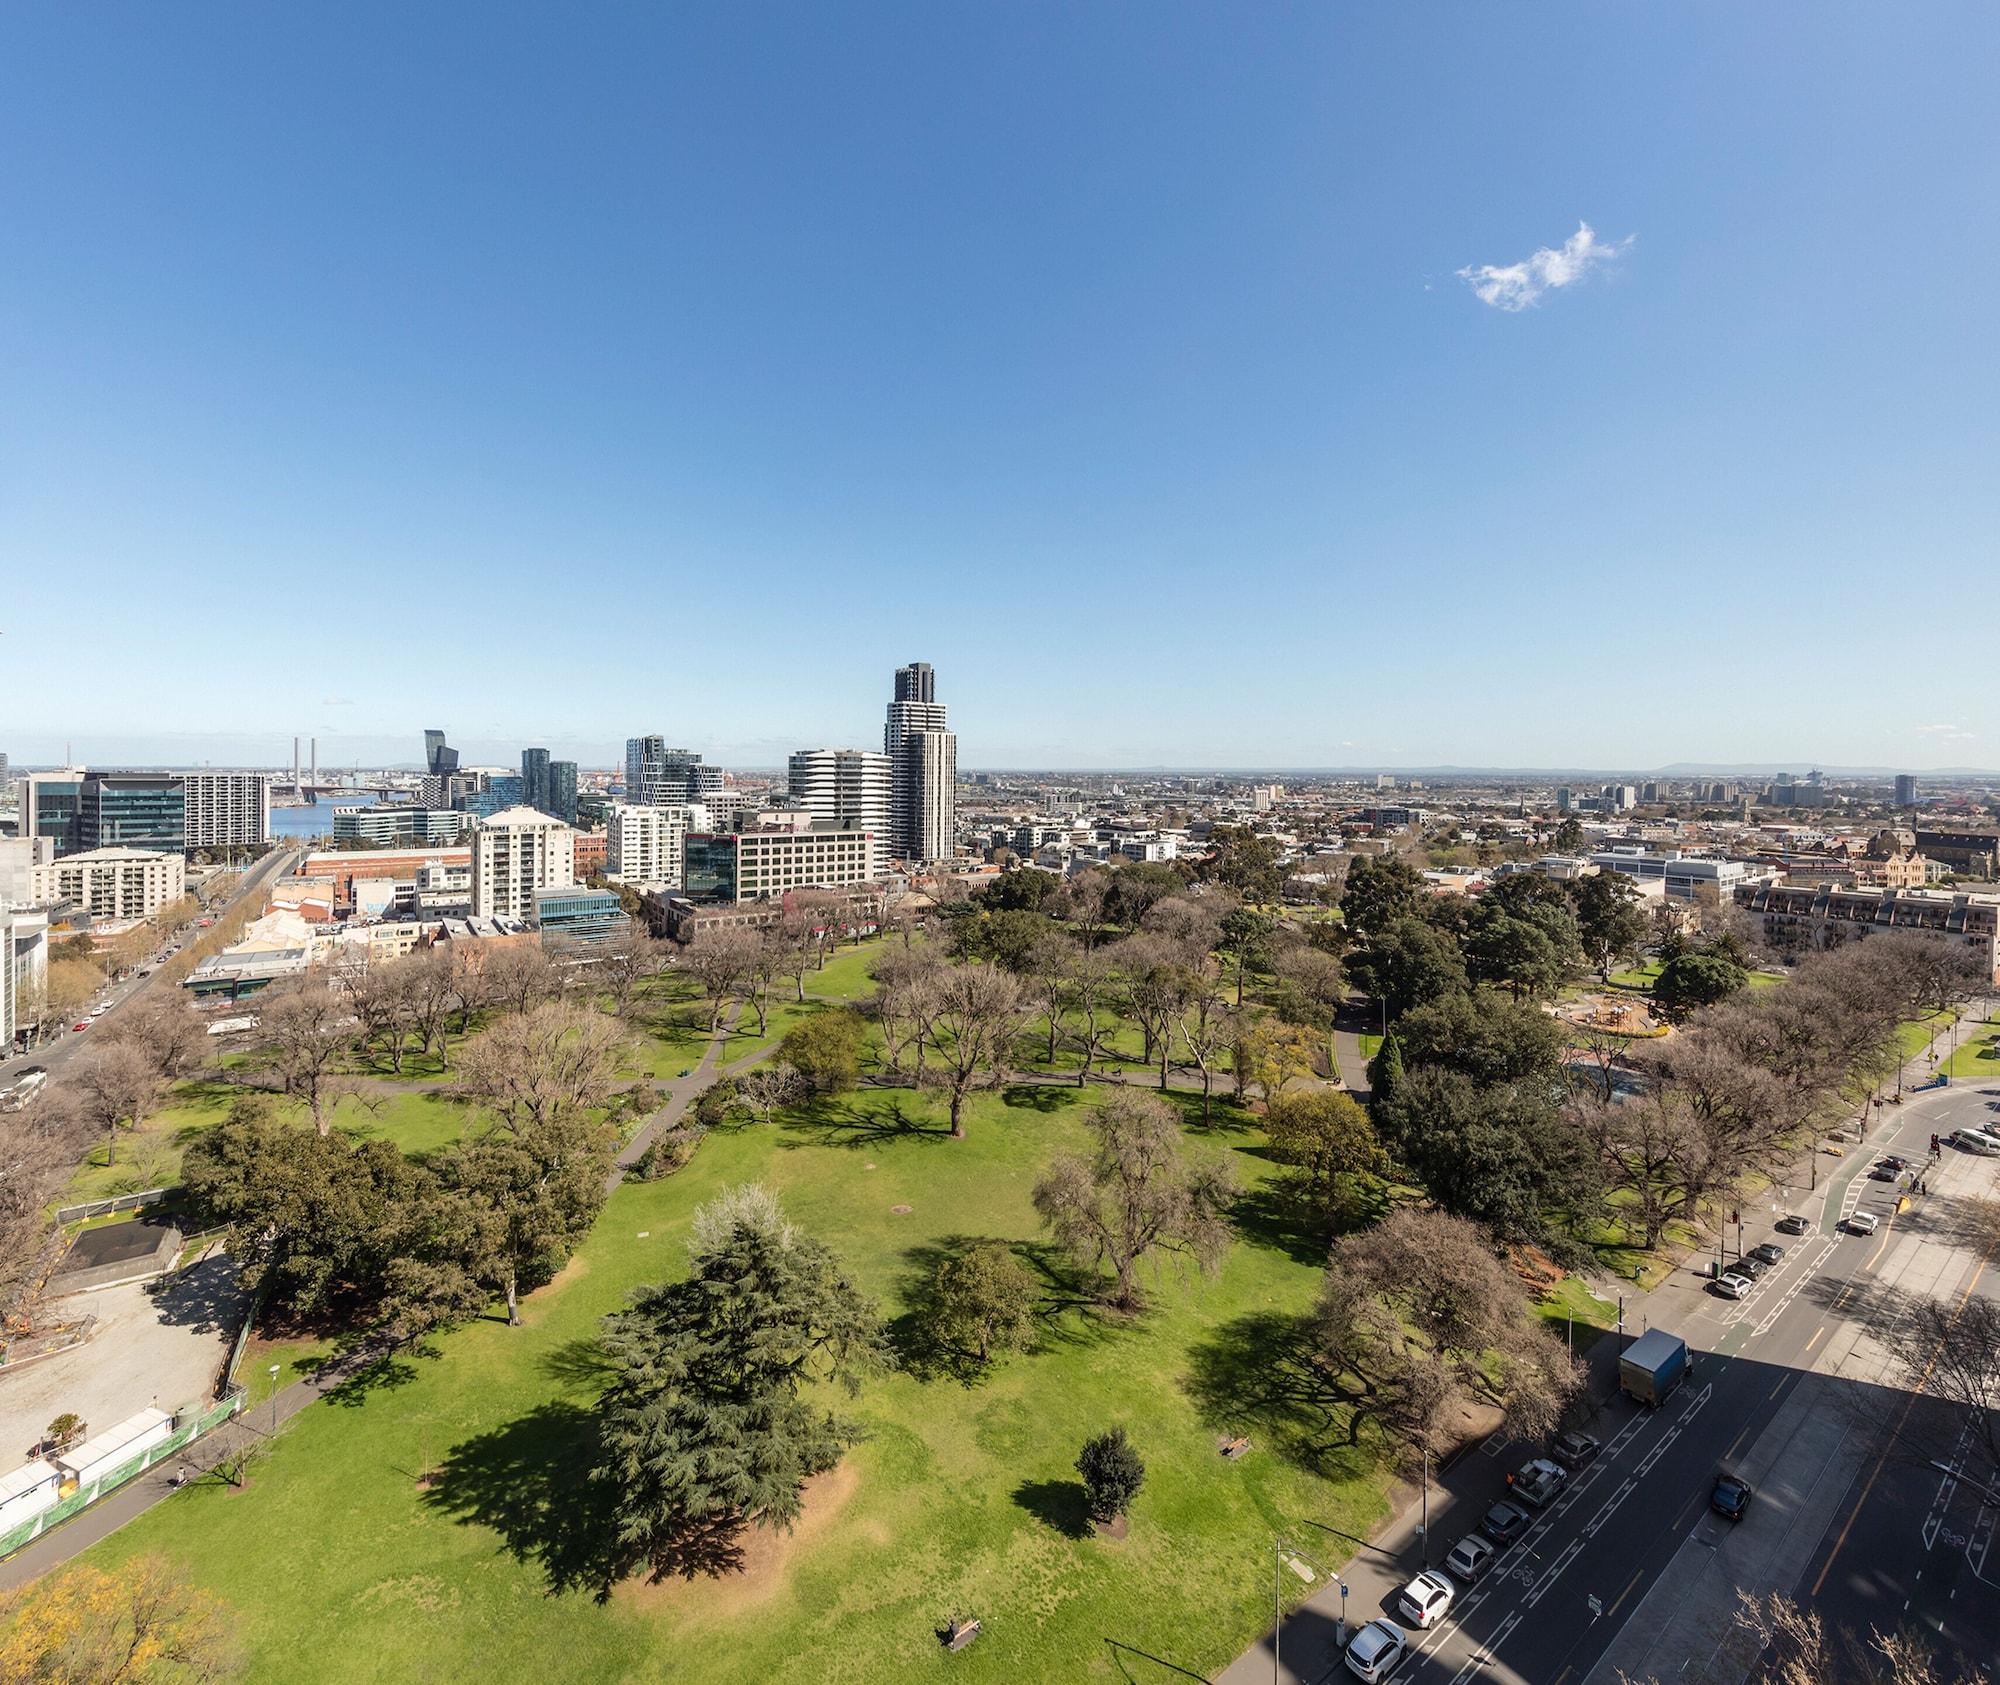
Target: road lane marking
{"type": "Point", "coordinates": [1916, 1393]}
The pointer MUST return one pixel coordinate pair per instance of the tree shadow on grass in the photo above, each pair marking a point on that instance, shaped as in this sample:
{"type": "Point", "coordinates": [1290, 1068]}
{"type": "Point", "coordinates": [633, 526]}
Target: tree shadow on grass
{"type": "Point", "coordinates": [1061, 1504]}
{"type": "Point", "coordinates": [579, 1363]}
{"type": "Point", "coordinates": [1043, 1097]}
{"type": "Point", "coordinates": [390, 1372]}
{"type": "Point", "coordinates": [1271, 1214]}
{"type": "Point", "coordinates": [1259, 1376]}
{"type": "Point", "coordinates": [840, 1123]}
{"type": "Point", "coordinates": [529, 1482]}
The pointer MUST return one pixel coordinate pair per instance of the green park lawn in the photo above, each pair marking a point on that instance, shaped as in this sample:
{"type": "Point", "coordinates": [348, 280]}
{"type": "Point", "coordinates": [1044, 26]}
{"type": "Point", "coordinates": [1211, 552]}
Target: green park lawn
{"type": "Point", "coordinates": [150, 1156]}
{"type": "Point", "coordinates": [427, 1527]}
{"type": "Point", "coordinates": [1978, 1056]}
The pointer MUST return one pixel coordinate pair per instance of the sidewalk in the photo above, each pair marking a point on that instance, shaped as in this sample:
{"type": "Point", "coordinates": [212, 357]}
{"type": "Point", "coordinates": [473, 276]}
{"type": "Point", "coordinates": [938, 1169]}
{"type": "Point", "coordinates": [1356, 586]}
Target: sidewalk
{"type": "Point", "coordinates": [1375, 1568]}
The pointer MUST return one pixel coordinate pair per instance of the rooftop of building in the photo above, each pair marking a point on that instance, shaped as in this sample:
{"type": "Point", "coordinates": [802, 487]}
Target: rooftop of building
{"type": "Point", "coordinates": [522, 818]}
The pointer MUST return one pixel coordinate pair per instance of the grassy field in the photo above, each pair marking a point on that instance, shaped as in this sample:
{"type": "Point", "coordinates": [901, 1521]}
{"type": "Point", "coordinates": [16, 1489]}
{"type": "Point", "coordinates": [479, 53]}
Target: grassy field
{"type": "Point", "coordinates": [1978, 1056]}
{"type": "Point", "coordinates": [150, 1157]}
{"type": "Point", "coordinates": [961, 1498]}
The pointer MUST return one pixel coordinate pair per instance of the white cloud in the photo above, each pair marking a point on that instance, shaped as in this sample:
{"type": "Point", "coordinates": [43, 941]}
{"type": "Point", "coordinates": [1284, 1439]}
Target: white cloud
{"type": "Point", "coordinates": [336, 702]}
{"type": "Point", "coordinates": [1946, 733]}
{"type": "Point", "coordinates": [1515, 286]}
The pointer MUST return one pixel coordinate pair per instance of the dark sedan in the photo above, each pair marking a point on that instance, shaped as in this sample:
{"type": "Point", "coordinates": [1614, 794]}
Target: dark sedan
{"type": "Point", "coordinates": [1505, 1522]}
{"type": "Point", "coordinates": [1730, 1498]}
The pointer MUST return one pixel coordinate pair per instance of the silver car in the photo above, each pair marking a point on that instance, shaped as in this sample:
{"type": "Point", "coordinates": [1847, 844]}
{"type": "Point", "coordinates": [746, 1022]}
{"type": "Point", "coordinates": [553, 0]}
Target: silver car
{"type": "Point", "coordinates": [1375, 1650]}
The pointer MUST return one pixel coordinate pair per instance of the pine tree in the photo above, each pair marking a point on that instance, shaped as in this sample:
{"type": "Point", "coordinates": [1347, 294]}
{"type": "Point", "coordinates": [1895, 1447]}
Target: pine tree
{"type": "Point", "coordinates": [1112, 1474]}
{"type": "Point", "coordinates": [704, 1430]}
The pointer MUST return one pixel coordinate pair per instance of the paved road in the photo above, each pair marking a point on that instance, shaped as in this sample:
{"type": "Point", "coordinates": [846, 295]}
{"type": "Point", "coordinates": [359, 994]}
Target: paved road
{"type": "Point", "coordinates": [52, 1056]}
{"type": "Point", "coordinates": [1789, 1390]}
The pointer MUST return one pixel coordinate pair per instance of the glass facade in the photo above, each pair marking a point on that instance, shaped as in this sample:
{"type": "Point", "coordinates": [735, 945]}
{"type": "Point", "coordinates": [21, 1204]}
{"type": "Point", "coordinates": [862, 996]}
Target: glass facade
{"type": "Point", "coordinates": [134, 810]}
{"type": "Point", "coordinates": [578, 915]}
{"type": "Point", "coordinates": [708, 869]}
{"type": "Point", "coordinates": [562, 791]}
{"type": "Point", "coordinates": [57, 813]}
{"type": "Point", "coordinates": [535, 778]}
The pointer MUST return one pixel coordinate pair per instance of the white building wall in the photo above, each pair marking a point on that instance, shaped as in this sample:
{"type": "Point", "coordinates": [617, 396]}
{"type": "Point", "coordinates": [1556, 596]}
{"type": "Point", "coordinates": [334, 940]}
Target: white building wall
{"type": "Point", "coordinates": [515, 853]}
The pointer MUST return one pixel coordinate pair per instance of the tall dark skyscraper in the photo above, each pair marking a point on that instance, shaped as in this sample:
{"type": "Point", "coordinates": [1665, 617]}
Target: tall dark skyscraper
{"type": "Point", "coordinates": [562, 791]}
{"type": "Point", "coordinates": [535, 779]}
{"type": "Point", "coordinates": [923, 768]}
{"type": "Point", "coordinates": [440, 760]}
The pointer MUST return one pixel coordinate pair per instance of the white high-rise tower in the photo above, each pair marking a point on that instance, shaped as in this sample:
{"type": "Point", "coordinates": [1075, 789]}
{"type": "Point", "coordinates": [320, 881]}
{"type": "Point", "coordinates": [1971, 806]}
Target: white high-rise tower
{"type": "Point", "coordinates": [923, 761]}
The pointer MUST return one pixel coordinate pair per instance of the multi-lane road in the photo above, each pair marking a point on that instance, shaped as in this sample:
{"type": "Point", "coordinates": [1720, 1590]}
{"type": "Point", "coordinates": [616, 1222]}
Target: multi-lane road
{"type": "Point", "coordinates": [1793, 1389]}
{"type": "Point", "coordinates": [52, 1056]}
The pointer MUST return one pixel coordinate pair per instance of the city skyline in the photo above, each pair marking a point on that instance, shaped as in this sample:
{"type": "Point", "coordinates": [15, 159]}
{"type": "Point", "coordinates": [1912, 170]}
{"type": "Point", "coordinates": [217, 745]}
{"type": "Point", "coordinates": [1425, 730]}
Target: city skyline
{"type": "Point", "coordinates": [1288, 380]}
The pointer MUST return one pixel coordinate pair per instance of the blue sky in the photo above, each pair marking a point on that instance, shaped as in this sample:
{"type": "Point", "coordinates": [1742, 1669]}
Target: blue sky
{"type": "Point", "coordinates": [559, 373]}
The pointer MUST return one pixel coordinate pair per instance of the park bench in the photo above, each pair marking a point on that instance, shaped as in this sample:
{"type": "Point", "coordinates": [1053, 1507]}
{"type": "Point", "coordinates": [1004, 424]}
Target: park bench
{"type": "Point", "coordinates": [959, 1633]}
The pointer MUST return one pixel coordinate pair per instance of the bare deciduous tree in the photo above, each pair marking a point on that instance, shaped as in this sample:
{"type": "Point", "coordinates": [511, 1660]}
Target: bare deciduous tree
{"type": "Point", "coordinates": [718, 959]}
{"type": "Point", "coordinates": [1205, 1024]}
{"type": "Point", "coordinates": [308, 1029]}
{"type": "Point", "coordinates": [1423, 1319]}
{"type": "Point", "coordinates": [116, 1086]}
{"type": "Point", "coordinates": [768, 1087]}
{"type": "Point", "coordinates": [519, 976]}
{"type": "Point", "coordinates": [630, 958]}
{"type": "Point", "coordinates": [978, 1010]}
{"type": "Point", "coordinates": [1137, 1193]}
{"type": "Point", "coordinates": [544, 1065]}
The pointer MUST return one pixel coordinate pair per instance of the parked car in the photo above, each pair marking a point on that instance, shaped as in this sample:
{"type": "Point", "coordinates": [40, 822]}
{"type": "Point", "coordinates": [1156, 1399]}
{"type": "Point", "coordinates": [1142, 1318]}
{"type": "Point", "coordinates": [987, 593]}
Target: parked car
{"type": "Point", "coordinates": [1575, 1450]}
{"type": "Point", "coordinates": [1863, 1222]}
{"type": "Point", "coordinates": [1539, 1481]}
{"type": "Point", "coordinates": [81, 1024]}
{"type": "Point", "coordinates": [1896, 1161]}
{"type": "Point", "coordinates": [1427, 1598]}
{"type": "Point", "coordinates": [1470, 1557]}
{"type": "Point", "coordinates": [1768, 1253]}
{"type": "Point", "coordinates": [1731, 1285]}
{"type": "Point", "coordinates": [1730, 1498]}
{"type": "Point", "coordinates": [1374, 1651]}
{"type": "Point", "coordinates": [1750, 1264]}
{"type": "Point", "coordinates": [1794, 1224]}
{"type": "Point", "coordinates": [1505, 1522]}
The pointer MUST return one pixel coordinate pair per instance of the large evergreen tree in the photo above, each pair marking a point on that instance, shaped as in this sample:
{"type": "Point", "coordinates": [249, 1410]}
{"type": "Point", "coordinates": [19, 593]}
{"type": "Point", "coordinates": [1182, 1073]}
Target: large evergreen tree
{"type": "Point", "coordinates": [704, 1429]}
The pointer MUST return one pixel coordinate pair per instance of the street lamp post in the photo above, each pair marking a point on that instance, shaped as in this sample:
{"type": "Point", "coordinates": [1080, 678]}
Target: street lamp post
{"type": "Point", "coordinates": [274, 1398]}
{"type": "Point", "coordinates": [1298, 1567]}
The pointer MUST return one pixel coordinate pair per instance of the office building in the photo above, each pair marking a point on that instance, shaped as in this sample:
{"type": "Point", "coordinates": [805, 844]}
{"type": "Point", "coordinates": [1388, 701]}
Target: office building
{"type": "Point", "coordinates": [645, 844]}
{"type": "Point", "coordinates": [1685, 877]}
{"type": "Point", "coordinates": [52, 807]}
{"type": "Point", "coordinates": [573, 916]}
{"type": "Point", "coordinates": [226, 809]}
{"type": "Point", "coordinates": [729, 868]}
{"type": "Point", "coordinates": [397, 825]}
{"type": "Point", "coordinates": [515, 853]}
{"type": "Point", "coordinates": [853, 788]}
{"type": "Point", "coordinates": [1906, 790]}
{"type": "Point", "coordinates": [133, 810]}
{"type": "Point", "coordinates": [440, 760]}
{"type": "Point", "coordinates": [923, 757]}
{"type": "Point", "coordinates": [113, 883]}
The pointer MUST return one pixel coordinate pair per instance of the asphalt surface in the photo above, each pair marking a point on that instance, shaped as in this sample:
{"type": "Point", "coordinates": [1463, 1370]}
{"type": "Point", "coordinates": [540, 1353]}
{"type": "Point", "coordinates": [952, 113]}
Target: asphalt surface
{"type": "Point", "coordinates": [53, 1055]}
{"type": "Point", "coordinates": [1628, 1568]}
